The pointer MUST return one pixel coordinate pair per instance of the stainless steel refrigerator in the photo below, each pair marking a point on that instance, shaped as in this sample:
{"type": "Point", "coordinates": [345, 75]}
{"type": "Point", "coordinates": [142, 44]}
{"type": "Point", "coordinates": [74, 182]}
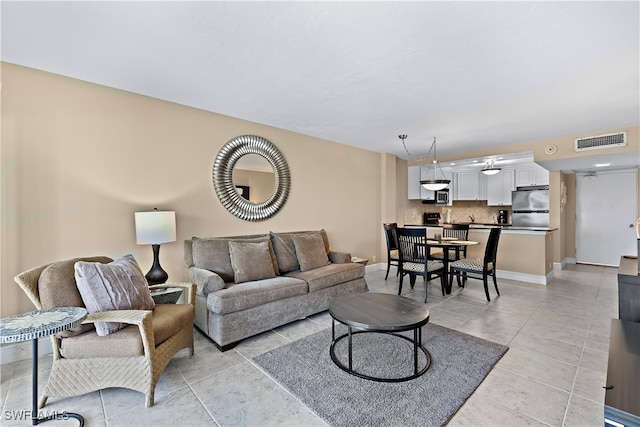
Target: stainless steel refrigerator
{"type": "Point", "coordinates": [530, 206]}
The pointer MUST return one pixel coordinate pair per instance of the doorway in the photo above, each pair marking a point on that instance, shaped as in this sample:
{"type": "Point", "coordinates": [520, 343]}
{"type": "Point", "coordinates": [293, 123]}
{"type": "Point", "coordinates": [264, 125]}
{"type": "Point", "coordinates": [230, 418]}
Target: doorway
{"type": "Point", "coordinates": [606, 211]}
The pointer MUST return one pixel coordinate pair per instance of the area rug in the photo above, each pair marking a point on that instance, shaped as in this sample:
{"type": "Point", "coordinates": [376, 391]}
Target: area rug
{"type": "Point", "coordinates": [459, 364]}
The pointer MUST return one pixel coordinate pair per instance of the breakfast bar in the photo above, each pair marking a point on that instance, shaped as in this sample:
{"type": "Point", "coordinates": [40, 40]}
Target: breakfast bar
{"type": "Point", "coordinates": [524, 253]}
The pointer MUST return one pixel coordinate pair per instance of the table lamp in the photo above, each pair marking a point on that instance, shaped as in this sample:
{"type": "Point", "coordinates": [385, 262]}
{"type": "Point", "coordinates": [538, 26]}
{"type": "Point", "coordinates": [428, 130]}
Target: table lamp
{"type": "Point", "coordinates": [154, 228]}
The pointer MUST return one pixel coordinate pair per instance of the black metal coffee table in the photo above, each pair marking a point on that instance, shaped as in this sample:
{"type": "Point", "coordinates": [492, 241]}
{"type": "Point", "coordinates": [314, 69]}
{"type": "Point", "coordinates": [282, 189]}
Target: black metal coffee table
{"type": "Point", "coordinates": [383, 313]}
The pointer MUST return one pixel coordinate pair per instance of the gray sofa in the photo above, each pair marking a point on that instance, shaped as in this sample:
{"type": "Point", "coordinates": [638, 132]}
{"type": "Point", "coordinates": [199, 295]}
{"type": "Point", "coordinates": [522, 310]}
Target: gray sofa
{"type": "Point", "coordinates": [251, 284]}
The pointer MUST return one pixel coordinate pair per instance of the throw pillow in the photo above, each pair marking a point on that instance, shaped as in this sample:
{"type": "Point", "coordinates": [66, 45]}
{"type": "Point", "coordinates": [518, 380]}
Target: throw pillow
{"type": "Point", "coordinates": [310, 251]}
{"type": "Point", "coordinates": [119, 285]}
{"type": "Point", "coordinates": [285, 252]}
{"type": "Point", "coordinates": [57, 288]}
{"type": "Point", "coordinates": [251, 261]}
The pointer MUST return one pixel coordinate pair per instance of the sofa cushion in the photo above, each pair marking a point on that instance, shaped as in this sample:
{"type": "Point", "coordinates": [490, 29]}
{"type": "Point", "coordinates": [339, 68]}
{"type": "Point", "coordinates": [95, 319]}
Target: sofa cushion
{"type": "Point", "coordinates": [168, 319]}
{"type": "Point", "coordinates": [251, 261]}
{"type": "Point", "coordinates": [241, 296]}
{"type": "Point", "coordinates": [330, 275]}
{"type": "Point", "coordinates": [213, 254]}
{"type": "Point", "coordinates": [57, 288]}
{"type": "Point", "coordinates": [119, 285]}
{"type": "Point", "coordinates": [310, 251]}
{"type": "Point", "coordinates": [285, 248]}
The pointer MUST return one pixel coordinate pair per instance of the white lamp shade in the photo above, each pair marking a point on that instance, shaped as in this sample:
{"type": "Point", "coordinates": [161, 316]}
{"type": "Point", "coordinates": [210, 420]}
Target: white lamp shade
{"type": "Point", "coordinates": [156, 227]}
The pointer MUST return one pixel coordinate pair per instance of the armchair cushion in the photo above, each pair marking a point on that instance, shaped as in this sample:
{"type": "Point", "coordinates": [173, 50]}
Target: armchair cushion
{"type": "Point", "coordinates": [167, 320]}
{"type": "Point", "coordinates": [119, 285]}
{"type": "Point", "coordinates": [251, 261]}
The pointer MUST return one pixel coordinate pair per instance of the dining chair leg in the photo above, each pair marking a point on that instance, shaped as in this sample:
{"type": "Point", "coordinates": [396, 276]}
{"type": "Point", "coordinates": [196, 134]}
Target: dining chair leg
{"type": "Point", "coordinates": [425, 279]}
{"type": "Point", "coordinates": [388, 268]}
{"type": "Point", "coordinates": [400, 284]}
{"type": "Point", "coordinates": [495, 283]}
{"type": "Point", "coordinates": [412, 280]}
{"type": "Point", "coordinates": [486, 287]}
{"type": "Point", "coordinates": [443, 281]}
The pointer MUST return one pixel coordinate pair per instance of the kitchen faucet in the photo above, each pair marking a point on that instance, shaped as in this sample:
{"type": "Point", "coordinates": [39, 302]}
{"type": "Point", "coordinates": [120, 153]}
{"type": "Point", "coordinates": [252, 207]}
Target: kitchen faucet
{"type": "Point", "coordinates": [472, 218]}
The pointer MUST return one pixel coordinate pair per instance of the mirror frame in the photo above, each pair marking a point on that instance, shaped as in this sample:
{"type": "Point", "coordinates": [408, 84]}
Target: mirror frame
{"type": "Point", "coordinates": [223, 166]}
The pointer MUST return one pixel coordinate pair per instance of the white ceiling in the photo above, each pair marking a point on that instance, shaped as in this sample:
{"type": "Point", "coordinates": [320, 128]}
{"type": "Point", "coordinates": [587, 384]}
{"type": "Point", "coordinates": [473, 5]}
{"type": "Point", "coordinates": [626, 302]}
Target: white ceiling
{"type": "Point", "coordinates": [474, 74]}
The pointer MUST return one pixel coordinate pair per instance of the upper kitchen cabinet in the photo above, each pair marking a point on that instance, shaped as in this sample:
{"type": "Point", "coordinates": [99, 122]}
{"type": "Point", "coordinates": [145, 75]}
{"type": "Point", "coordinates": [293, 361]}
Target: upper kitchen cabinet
{"type": "Point", "coordinates": [413, 183]}
{"type": "Point", "coordinates": [533, 174]}
{"type": "Point", "coordinates": [499, 188]}
{"type": "Point", "coordinates": [470, 186]}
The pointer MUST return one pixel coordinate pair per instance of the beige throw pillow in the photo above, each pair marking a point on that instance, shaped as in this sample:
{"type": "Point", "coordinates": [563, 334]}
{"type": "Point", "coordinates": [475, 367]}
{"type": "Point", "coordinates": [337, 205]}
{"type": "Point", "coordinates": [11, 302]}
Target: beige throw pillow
{"type": "Point", "coordinates": [310, 251]}
{"type": "Point", "coordinates": [251, 261]}
{"type": "Point", "coordinates": [119, 285]}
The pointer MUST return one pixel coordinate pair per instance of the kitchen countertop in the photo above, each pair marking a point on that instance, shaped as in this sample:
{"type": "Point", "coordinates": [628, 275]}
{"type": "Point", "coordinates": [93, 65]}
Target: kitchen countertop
{"type": "Point", "coordinates": [487, 226]}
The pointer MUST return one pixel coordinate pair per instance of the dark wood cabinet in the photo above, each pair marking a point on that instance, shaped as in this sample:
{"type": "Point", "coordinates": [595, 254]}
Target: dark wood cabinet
{"type": "Point", "coordinates": [622, 397]}
{"type": "Point", "coordinates": [628, 290]}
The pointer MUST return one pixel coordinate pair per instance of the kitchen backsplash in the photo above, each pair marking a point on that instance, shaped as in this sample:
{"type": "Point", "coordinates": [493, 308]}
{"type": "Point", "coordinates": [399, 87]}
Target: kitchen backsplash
{"type": "Point", "coordinates": [460, 211]}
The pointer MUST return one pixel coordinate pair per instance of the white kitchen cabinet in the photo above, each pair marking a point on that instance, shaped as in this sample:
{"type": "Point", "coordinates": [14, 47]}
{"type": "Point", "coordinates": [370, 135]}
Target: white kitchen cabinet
{"type": "Point", "coordinates": [533, 174]}
{"type": "Point", "coordinates": [413, 183]}
{"type": "Point", "coordinates": [499, 188]}
{"type": "Point", "coordinates": [471, 186]}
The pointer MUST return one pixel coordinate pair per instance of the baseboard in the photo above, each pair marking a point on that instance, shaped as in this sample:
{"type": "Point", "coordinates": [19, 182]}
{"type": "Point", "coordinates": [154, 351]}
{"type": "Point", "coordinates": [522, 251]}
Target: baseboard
{"type": "Point", "coordinates": [12, 352]}
{"type": "Point", "coordinates": [377, 266]}
{"type": "Point", "coordinates": [525, 277]}
{"type": "Point", "coordinates": [561, 265]}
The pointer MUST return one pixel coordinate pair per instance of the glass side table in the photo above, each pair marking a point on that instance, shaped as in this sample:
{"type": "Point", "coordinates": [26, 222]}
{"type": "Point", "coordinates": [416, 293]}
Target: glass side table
{"type": "Point", "coordinates": [38, 324]}
{"type": "Point", "coordinates": [166, 295]}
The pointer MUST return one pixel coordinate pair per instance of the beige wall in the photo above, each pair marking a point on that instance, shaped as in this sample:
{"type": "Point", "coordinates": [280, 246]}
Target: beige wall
{"type": "Point", "coordinates": [79, 159]}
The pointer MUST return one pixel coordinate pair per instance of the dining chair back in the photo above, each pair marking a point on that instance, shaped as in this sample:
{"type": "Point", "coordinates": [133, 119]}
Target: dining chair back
{"type": "Point", "coordinates": [392, 246]}
{"type": "Point", "coordinates": [473, 269]}
{"type": "Point", "coordinates": [413, 262]}
{"type": "Point", "coordinates": [458, 232]}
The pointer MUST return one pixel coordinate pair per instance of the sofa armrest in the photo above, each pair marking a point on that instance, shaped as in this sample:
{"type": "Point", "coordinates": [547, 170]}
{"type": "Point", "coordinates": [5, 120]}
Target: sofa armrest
{"type": "Point", "coordinates": [206, 281]}
{"type": "Point", "coordinates": [339, 257]}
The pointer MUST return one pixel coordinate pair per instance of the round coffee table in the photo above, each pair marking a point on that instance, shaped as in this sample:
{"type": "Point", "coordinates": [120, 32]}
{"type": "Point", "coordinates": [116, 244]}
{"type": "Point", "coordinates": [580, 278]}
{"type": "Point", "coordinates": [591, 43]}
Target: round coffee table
{"type": "Point", "coordinates": [384, 313]}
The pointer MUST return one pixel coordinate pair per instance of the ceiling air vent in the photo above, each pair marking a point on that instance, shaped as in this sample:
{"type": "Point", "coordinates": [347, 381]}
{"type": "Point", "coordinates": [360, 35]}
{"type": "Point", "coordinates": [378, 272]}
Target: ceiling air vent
{"type": "Point", "coordinates": [601, 141]}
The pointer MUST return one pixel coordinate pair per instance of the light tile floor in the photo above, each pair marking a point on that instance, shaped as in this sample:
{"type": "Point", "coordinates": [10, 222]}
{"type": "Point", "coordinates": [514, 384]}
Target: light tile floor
{"type": "Point", "coordinates": [552, 374]}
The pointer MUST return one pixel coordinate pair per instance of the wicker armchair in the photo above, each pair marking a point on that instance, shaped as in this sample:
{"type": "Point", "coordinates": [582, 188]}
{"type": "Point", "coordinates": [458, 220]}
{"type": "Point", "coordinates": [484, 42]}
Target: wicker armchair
{"type": "Point", "coordinates": [133, 357]}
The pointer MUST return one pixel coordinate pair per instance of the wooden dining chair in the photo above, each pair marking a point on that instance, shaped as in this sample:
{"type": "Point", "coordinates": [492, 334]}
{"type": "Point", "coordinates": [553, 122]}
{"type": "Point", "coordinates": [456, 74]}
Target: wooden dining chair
{"type": "Point", "coordinates": [392, 246]}
{"type": "Point", "coordinates": [458, 232]}
{"type": "Point", "coordinates": [472, 269]}
{"type": "Point", "coordinates": [413, 262]}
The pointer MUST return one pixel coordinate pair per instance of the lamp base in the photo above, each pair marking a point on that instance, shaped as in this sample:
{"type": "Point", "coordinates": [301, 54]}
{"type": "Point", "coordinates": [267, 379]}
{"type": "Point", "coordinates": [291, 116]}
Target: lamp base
{"type": "Point", "coordinates": [156, 275]}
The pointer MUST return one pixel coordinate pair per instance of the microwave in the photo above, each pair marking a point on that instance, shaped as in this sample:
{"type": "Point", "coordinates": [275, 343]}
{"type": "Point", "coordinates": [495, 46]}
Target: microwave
{"type": "Point", "coordinates": [440, 197]}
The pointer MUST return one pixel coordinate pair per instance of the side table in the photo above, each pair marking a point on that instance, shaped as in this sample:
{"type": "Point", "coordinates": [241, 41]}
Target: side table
{"type": "Point", "coordinates": [38, 324]}
{"type": "Point", "coordinates": [166, 295]}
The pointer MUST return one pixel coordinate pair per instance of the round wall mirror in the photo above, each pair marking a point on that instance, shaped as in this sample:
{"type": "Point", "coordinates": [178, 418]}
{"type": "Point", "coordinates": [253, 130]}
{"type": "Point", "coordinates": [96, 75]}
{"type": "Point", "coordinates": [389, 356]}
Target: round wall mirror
{"type": "Point", "coordinates": [233, 184]}
{"type": "Point", "coordinates": [254, 178]}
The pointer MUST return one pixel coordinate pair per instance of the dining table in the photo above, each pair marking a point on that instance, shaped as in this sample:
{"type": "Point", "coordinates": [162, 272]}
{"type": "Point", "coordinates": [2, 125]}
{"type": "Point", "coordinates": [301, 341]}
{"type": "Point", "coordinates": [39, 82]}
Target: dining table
{"type": "Point", "coordinates": [447, 244]}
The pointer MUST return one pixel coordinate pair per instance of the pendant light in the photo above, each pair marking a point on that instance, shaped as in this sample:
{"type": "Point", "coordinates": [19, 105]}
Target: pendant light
{"type": "Point", "coordinates": [435, 183]}
{"type": "Point", "coordinates": [490, 169]}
